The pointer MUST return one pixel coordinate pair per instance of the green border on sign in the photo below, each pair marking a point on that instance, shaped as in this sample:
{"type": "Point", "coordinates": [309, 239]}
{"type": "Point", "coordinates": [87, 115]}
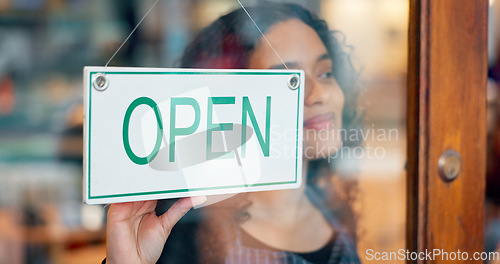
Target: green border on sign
{"type": "Point", "coordinates": [193, 189]}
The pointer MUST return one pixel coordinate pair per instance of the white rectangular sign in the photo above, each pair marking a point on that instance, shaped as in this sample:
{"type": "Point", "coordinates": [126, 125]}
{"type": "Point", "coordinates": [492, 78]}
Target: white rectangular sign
{"type": "Point", "coordinates": [163, 133]}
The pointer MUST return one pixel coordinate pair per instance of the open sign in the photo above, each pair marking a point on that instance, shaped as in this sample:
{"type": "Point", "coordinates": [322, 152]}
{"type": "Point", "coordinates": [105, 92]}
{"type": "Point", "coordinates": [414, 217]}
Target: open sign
{"type": "Point", "coordinates": [174, 131]}
{"type": "Point", "coordinates": [165, 133]}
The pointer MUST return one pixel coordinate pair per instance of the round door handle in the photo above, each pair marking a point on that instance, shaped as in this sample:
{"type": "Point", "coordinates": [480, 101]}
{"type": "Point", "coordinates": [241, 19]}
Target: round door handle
{"type": "Point", "coordinates": [449, 165]}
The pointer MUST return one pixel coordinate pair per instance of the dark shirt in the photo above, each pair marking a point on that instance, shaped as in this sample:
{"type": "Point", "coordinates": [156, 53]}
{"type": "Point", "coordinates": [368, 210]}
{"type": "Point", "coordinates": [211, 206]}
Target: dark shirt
{"type": "Point", "coordinates": [319, 256]}
{"type": "Point", "coordinates": [182, 247]}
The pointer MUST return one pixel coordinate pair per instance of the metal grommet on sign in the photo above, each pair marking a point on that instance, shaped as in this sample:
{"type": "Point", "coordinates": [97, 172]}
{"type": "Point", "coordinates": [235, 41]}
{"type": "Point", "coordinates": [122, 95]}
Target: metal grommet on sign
{"type": "Point", "coordinates": [100, 82]}
{"type": "Point", "coordinates": [294, 82]}
{"type": "Point", "coordinates": [449, 165]}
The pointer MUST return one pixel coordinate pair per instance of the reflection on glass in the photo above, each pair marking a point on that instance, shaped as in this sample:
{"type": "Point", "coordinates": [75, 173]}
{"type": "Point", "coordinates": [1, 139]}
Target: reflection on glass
{"type": "Point", "coordinates": [318, 222]}
{"type": "Point", "coordinates": [354, 148]}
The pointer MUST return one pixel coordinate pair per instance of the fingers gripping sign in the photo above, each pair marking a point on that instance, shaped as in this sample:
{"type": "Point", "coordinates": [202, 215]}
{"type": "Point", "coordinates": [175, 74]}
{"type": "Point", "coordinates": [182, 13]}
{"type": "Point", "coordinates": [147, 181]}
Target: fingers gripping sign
{"type": "Point", "coordinates": [135, 234]}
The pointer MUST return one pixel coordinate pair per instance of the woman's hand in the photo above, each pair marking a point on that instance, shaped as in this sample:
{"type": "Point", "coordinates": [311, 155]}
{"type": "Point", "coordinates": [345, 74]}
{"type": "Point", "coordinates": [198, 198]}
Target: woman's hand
{"type": "Point", "coordinates": [136, 235]}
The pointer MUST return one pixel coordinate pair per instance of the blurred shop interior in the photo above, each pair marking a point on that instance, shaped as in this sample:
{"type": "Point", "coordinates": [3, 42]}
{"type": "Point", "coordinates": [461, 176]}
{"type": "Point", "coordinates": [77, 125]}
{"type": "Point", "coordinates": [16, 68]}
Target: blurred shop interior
{"type": "Point", "coordinates": [44, 45]}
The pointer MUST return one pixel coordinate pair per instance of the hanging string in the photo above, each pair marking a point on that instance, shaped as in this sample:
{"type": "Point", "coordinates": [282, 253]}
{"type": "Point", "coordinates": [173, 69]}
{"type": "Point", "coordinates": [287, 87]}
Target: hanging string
{"type": "Point", "coordinates": [264, 36]}
{"type": "Point", "coordinates": [138, 24]}
{"type": "Point", "coordinates": [154, 4]}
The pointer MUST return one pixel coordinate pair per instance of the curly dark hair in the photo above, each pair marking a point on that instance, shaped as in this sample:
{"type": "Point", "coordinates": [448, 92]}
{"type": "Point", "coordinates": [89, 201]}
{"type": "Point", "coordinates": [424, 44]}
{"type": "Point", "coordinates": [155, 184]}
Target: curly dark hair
{"type": "Point", "coordinates": [228, 43]}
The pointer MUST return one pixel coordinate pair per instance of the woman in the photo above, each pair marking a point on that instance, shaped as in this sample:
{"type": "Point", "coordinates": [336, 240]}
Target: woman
{"type": "Point", "coordinates": [288, 226]}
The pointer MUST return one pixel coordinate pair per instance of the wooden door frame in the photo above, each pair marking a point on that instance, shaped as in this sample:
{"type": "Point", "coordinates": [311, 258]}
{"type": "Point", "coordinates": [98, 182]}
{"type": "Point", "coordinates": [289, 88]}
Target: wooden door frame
{"type": "Point", "coordinates": [447, 73]}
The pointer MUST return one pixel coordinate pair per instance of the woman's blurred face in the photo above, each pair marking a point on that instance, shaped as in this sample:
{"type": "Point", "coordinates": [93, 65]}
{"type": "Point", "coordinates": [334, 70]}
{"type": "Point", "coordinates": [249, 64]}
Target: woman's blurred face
{"type": "Point", "coordinates": [301, 48]}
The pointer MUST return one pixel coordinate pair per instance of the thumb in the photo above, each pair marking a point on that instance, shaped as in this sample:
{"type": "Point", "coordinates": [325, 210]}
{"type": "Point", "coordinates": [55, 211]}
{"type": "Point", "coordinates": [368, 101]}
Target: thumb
{"type": "Point", "coordinates": [178, 210]}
